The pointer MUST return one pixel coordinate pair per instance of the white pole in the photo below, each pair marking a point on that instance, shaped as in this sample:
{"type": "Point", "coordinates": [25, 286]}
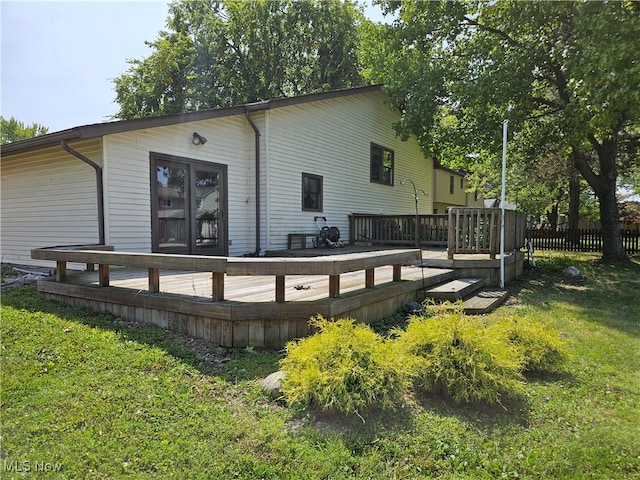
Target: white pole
{"type": "Point", "coordinates": [504, 187]}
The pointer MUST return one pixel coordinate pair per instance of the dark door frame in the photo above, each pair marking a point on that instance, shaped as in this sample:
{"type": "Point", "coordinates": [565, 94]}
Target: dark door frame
{"type": "Point", "coordinates": [190, 165]}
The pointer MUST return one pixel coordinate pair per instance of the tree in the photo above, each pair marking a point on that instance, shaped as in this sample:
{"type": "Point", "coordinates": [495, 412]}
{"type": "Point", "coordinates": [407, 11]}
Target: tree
{"type": "Point", "coordinates": [569, 71]}
{"type": "Point", "coordinates": [13, 131]}
{"type": "Point", "coordinates": [222, 53]}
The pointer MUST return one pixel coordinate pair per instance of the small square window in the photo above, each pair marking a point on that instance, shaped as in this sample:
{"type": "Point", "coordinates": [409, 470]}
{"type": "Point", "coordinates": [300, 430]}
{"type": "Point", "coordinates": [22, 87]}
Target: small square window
{"type": "Point", "coordinates": [381, 165]}
{"type": "Point", "coordinates": [311, 192]}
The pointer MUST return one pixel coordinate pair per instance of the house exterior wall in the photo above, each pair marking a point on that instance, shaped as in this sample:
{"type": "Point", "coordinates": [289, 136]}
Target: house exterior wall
{"type": "Point", "coordinates": [332, 138]}
{"type": "Point", "coordinates": [459, 198]}
{"type": "Point", "coordinates": [127, 178]}
{"type": "Point", "coordinates": [48, 198]}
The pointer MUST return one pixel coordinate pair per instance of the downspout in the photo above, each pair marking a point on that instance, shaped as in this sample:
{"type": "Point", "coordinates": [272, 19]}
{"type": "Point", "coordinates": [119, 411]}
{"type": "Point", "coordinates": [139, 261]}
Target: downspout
{"type": "Point", "coordinates": [100, 193]}
{"type": "Point", "coordinates": [257, 149]}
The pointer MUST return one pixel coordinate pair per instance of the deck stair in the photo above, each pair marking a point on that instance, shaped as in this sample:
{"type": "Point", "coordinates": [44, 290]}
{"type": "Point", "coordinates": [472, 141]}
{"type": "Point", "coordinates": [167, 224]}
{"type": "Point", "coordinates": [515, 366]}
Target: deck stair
{"type": "Point", "coordinates": [485, 301]}
{"type": "Point", "coordinates": [477, 300]}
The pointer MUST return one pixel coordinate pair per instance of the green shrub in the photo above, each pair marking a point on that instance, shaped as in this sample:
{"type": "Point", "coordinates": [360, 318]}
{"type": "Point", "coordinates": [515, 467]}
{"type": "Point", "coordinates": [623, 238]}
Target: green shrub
{"type": "Point", "coordinates": [543, 347]}
{"type": "Point", "coordinates": [460, 358]}
{"type": "Point", "coordinates": [445, 308]}
{"type": "Point", "coordinates": [345, 367]}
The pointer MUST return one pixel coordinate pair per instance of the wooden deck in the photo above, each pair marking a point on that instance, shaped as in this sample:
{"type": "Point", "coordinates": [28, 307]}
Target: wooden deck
{"type": "Point", "coordinates": [249, 314]}
{"type": "Point", "coordinates": [238, 302]}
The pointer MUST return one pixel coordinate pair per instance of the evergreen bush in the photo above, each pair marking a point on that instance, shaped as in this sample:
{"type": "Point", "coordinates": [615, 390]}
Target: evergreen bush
{"type": "Point", "coordinates": [460, 358]}
{"type": "Point", "coordinates": [543, 347]}
{"type": "Point", "coordinates": [345, 367]}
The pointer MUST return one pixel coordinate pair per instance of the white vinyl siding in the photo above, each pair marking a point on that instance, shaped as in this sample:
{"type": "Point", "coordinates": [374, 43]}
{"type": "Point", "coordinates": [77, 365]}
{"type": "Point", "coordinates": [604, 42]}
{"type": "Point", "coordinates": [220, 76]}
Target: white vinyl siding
{"type": "Point", "coordinates": [127, 178]}
{"type": "Point", "coordinates": [48, 198]}
{"type": "Point", "coordinates": [332, 138]}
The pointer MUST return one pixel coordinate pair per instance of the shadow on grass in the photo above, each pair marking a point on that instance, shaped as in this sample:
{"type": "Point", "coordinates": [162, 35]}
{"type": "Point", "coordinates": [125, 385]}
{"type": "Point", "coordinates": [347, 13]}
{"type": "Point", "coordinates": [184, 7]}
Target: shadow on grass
{"type": "Point", "coordinates": [354, 430]}
{"type": "Point", "coordinates": [512, 411]}
{"type": "Point", "coordinates": [608, 295]}
{"type": "Point", "coordinates": [230, 364]}
{"type": "Point", "coordinates": [485, 417]}
{"type": "Point", "coordinates": [361, 434]}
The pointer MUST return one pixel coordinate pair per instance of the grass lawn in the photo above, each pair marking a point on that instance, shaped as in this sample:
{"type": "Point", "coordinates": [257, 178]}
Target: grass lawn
{"type": "Point", "coordinates": [84, 396]}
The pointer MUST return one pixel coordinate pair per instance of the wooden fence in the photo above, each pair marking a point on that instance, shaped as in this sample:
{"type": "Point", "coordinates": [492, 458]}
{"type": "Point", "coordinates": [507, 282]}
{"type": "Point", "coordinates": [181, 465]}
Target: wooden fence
{"type": "Point", "coordinates": [579, 240]}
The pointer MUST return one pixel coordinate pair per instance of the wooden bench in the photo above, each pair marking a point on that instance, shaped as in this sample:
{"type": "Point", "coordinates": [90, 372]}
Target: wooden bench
{"type": "Point", "coordinates": [299, 240]}
{"type": "Point", "coordinates": [333, 266]}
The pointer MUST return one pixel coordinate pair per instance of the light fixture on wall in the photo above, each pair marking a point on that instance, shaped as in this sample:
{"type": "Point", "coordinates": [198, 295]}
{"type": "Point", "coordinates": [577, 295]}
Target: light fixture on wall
{"type": "Point", "coordinates": [198, 139]}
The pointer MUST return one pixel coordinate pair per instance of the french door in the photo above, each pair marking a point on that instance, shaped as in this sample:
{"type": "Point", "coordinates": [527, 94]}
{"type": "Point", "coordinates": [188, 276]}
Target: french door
{"type": "Point", "coordinates": [189, 205]}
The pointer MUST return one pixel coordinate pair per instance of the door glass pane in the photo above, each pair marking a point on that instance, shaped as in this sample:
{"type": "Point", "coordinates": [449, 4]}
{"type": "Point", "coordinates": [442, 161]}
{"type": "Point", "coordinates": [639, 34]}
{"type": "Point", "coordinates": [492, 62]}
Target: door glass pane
{"type": "Point", "coordinates": [207, 203]}
{"type": "Point", "coordinates": [172, 207]}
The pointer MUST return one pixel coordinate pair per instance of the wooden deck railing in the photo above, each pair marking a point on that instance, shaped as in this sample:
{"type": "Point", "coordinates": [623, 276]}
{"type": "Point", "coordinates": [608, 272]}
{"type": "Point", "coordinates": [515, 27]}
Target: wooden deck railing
{"type": "Point", "coordinates": [398, 229]}
{"type": "Point", "coordinates": [463, 230]}
{"type": "Point", "coordinates": [332, 266]}
{"type": "Point", "coordinates": [477, 230]}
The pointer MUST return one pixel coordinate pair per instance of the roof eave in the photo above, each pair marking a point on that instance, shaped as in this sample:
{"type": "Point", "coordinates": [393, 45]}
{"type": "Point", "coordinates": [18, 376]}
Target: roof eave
{"type": "Point", "coordinates": [109, 128]}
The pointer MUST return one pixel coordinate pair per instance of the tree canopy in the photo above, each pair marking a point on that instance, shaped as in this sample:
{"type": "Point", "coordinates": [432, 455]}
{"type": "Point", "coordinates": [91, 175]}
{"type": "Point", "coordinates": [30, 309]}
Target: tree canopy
{"type": "Point", "coordinates": [13, 130]}
{"type": "Point", "coordinates": [564, 74]}
{"type": "Point", "coordinates": [229, 52]}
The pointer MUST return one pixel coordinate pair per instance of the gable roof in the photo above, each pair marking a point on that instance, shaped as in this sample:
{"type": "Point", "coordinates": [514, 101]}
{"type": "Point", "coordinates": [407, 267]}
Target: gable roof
{"type": "Point", "coordinates": [107, 128]}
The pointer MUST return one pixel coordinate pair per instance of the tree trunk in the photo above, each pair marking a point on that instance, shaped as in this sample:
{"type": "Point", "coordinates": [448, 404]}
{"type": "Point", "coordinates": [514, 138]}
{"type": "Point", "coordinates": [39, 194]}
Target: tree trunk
{"type": "Point", "coordinates": [574, 200]}
{"type": "Point", "coordinates": [552, 217]}
{"type": "Point", "coordinates": [604, 185]}
{"type": "Point", "coordinates": [574, 207]}
{"type": "Point", "coordinates": [612, 248]}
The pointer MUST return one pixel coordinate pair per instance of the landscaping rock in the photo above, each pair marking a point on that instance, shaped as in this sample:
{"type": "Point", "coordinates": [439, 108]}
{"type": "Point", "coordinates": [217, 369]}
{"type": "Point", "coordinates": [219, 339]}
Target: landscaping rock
{"type": "Point", "coordinates": [273, 384]}
{"type": "Point", "coordinates": [25, 279]}
{"type": "Point", "coordinates": [573, 275]}
{"type": "Point", "coordinates": [413, 308]}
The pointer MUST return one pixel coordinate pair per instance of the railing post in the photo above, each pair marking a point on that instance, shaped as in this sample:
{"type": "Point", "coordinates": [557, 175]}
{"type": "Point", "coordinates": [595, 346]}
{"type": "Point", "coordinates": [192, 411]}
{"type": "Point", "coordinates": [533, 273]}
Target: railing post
{"type": "Point", "coordinates": [397, 272]}
{"type": "Point", "coordinates": [494, 242]}
{"type": "Point", "coordinates": [334, 286]}
{"type": "Point", "coordinates": [280, 288]}
{"type": "Point", "coordinates": [451, 241]}
{"type": "Point", "coordinates": [352, 230]}
{"type": "Point", "coordinates": [61, 271]}
{"type": "Point", "coordinates": [217, 286]}
{"type": "Point", "coordinates": [369, 278]}
{"type": "Point", "coordinates": [154, 280]}
{"type": "Point", "coordinates": [103, 275]}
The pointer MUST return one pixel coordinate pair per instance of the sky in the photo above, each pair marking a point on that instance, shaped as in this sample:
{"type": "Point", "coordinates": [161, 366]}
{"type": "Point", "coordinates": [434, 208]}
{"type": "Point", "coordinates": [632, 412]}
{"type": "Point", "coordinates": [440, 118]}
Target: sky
{"type": "Point", "coordinates": [59, 58]}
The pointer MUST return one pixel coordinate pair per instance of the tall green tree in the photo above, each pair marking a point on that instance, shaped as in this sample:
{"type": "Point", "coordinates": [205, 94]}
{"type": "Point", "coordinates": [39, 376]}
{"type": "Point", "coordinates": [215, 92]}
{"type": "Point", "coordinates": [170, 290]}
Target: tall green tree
{"type": "Point", "coordinates": [221, 53]}
{"type": "Point", "coordinates": [13, 130]}
{"type": "Point", "coordinates": [569, 70]}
